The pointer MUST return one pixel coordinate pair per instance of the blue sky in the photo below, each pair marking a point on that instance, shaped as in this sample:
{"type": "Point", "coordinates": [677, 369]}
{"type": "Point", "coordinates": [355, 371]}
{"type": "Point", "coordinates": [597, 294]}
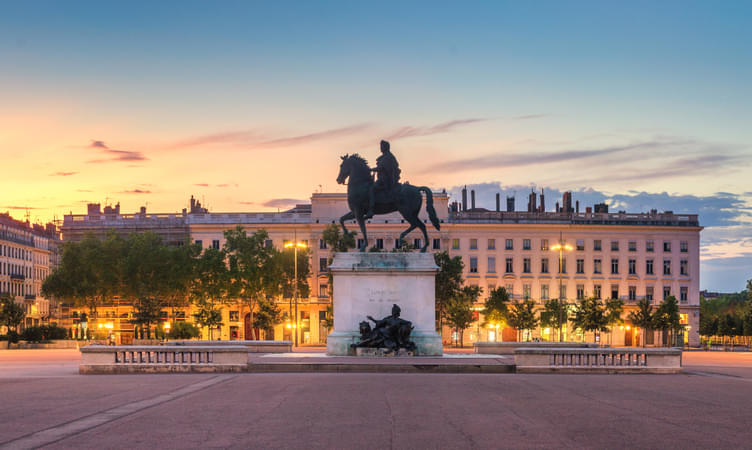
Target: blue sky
{"type": "Point", "coordinates": [246, 104]}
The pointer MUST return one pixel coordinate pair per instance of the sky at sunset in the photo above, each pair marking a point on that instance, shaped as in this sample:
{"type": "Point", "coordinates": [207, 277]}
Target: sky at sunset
{"type": "Point", "coordinates": [248, 106]}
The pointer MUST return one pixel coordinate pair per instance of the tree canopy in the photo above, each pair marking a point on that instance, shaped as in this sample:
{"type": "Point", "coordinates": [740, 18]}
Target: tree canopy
{"type": "Point", "coordinates": [590, 315]}
{"type": "Point", "coordinates": [152, 276]}
{"type": "Point", "coordinates": [459, 314]}
{"type": "Point", "coordinates": [448, 282]}
{"type": "Point", "coordinates": [496, 306]}
{"type": "Point", "coordinates": [521, 315]}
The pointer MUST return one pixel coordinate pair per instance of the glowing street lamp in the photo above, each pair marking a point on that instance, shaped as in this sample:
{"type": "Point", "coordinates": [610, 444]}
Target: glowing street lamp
{"type": "Point", "coordinates": [296, 245]}
{"type": "Point", "coordinates": [561, 246]}
{"type": "Point", "coordinates": [166, 328]}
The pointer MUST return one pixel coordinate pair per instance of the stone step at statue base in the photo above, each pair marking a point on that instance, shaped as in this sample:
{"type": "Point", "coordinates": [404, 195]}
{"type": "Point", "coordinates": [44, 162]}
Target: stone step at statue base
{"type": "Point", "coordinates": [364, 351]}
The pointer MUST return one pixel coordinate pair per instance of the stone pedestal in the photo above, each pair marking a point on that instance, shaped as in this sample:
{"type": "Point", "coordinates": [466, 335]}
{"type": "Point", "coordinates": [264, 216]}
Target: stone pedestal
{"type": "Point", "coordinates": [368, 284]}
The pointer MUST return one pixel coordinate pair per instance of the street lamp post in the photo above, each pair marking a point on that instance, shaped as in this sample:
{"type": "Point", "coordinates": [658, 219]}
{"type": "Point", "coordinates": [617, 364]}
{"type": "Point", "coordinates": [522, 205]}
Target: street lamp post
{"type": "Point", "coordinates": [295, 245]}
{"type": "Point", "coordinates": [561, 246]}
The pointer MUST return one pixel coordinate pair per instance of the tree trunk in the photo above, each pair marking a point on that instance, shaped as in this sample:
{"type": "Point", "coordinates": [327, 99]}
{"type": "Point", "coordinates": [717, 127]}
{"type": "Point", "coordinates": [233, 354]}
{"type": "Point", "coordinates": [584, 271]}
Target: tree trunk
{"type": "Point", "coordinates": [644, 337]}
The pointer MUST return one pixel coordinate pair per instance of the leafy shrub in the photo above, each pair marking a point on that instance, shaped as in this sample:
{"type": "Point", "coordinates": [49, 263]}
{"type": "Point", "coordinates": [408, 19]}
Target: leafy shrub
{"type": "Point", "coordinates": [53, 332]}
{"type": "Point", "coordinates": [183, 330]}
{"type": "Point", "coordinates": [44, 333]}
{"type": "Point", "coordinates": [32, 334]}
{"type": "Point", "coordinates": [12, 336]}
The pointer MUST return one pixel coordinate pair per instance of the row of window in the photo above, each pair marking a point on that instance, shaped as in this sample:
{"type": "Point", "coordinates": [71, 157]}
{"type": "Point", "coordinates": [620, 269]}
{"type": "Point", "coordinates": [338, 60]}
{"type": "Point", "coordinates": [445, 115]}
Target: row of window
{"type": "Point", "coordinates": [15, 252]}
{"type": "Point", "coordinates": [597, 245]}
{"type": "Point", "coordinates": [597, 292]}
{"type": "Point", "coordinates": [580, 269]}
{"type": "Point", "coordinates": [15, 269]}
{"type": "Point", "coordinates": [15, 288]}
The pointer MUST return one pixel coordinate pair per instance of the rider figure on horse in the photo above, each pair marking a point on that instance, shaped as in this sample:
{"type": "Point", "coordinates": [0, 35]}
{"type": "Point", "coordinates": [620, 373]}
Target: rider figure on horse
{"type": "Point", "coordinates": [388, 171]}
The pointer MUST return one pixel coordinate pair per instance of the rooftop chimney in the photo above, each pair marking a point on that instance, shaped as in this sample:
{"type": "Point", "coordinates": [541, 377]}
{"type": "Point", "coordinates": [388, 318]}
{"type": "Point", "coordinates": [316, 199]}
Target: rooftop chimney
{"type": "Point", "coordinates": [577, 206]}
{"type": "Point", "coordinates": [510, 204]}
{"type": "Point", "coordinates": [532, 201]}
{"type": "Point", "coordinates": [464, 198]}
{"type": "Point", "coordinates": [472, 199]}
{"type": "Point", "coordinates": [542, 207]}
{"type": "Point", "coordinates": [498, 202]}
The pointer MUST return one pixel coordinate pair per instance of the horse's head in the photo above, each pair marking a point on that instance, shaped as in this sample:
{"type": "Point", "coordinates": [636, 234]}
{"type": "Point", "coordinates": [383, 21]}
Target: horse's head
{"type": "Point", "coordinates": [344, 169]}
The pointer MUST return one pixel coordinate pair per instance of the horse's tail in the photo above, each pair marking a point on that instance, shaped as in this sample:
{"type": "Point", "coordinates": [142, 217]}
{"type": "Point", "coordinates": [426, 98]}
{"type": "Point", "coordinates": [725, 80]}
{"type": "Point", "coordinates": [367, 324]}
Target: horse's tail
{"type": "Point", "coordinates": [430, 208]}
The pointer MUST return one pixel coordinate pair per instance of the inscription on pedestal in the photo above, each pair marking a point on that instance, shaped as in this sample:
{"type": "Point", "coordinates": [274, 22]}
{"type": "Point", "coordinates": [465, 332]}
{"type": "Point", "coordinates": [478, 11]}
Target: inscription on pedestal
{"type": "Point", "coordinates": [383, 296]}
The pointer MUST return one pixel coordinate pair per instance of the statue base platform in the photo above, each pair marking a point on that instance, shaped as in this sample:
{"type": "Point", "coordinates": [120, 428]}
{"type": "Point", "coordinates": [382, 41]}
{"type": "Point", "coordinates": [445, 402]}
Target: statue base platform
{"type": "Point", "coordinates": [368, 284]}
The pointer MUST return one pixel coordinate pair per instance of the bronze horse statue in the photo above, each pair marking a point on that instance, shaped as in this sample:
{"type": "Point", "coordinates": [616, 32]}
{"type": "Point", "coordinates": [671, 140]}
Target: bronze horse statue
{"type": "Point", "coordinates": [404, 198]}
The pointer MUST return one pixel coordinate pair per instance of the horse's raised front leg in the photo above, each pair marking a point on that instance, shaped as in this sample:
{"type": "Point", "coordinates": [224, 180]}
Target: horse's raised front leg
{"type": "Point", "coordinates": [348, 216]}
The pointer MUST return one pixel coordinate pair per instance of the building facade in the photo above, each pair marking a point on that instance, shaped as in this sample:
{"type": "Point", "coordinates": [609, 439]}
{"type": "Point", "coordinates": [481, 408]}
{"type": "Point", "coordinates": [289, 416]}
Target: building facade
{"type": "Point", "coordinates": [28, 253]}
{"type": "Point", "coordinates": [612, 255]}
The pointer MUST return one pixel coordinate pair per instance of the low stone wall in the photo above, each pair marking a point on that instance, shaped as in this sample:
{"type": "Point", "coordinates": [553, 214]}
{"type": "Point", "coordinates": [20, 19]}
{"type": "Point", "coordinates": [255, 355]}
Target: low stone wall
{"type": "Point", "coordinates": [251, 346]}
{"type": "Point", "coordinates": [109, 359]}
{"type": "Point", "coordinates": [598, 360]}
{"type": "Point", "coordinates": [147, 341]}
{"type": "Point", "coordinates": [508, 348]}
{"type": "Point", "coordinates": [57, 344]}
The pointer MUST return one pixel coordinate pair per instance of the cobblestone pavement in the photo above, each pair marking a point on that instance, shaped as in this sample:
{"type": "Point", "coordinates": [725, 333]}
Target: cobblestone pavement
{"type": "Point", "coordinates": [45, 403]}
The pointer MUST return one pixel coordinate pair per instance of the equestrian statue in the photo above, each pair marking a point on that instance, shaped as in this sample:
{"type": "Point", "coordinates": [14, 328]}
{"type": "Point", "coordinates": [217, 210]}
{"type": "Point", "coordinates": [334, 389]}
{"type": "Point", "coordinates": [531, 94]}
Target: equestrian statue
{"type": "Point", "coordinates": [367, 198]}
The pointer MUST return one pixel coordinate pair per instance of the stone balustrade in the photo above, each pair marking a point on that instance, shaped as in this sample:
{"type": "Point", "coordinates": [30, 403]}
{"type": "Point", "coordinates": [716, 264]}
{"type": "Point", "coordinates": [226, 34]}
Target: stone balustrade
{"type": "Point", "coordinates": [105, 359]}
{"type": "Point", "coordinates": [251, 346]}
{"type": "Point", "coordinates": [598, 360]}
{"type": "Point", "coordinates": [508, 348]}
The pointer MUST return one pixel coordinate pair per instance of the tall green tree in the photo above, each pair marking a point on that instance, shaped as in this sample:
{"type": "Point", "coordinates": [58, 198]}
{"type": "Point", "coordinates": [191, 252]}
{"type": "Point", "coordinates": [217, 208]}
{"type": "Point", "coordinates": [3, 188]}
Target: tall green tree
{"type": "Point", "coordinates": [448, 283]}
{"type": "Point", "coordinates": [746, 320]}
{"type": "Point", "coordinates": [267, 316]}
{"type": "Point", "coordinates": [727, 325]}
{"type": "Point", "coordinates": [643, 317]}
{"type": "Point", "coordinates": [208, 315]}
{"type": "Point", "coordinates": [459, 314]}
{"type": "Point", "coordinates": [76, 280]}
{"type": "Point", "coordinates": [589, 315]}
{"type": "Point", "coordinates": [285, 270]}
{"type": "Point", "coordinates": [337, 242]}
{"type": "Point", "coordinates": [495, 308]}
{"type": "Point", "coordinates": [209, 288]}
{"type": "Point", "coordinates": [11, 315]}
{"type": "Point", "coordinates": [708, 319]}
{"type": "Point", "coordinates": [555, 314]}
{"type": "Point", "coordinates": [521, 315]}
{"type": "Point", "coordinates": [666, 318]}
{"type": "Point", "coordinates": [180, 269]}
{"type": "Point", "coordinates": [253, 267]}
{"type": "Point", "coordinates": [144, 278]}
{"type": "Point", "coordinates": [613, 312]}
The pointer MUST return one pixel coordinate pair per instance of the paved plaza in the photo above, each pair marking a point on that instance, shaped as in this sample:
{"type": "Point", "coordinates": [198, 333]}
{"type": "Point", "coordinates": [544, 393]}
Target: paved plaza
{"type": "Point", "coordinates": [45, 403]}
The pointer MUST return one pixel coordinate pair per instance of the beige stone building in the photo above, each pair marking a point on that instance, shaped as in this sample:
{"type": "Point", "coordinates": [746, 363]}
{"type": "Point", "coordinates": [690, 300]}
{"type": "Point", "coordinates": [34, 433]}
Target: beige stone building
{"type": "Point", "coordinates": [27, 255]}
{"type": "Point", "coordinates": [629, 256]}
